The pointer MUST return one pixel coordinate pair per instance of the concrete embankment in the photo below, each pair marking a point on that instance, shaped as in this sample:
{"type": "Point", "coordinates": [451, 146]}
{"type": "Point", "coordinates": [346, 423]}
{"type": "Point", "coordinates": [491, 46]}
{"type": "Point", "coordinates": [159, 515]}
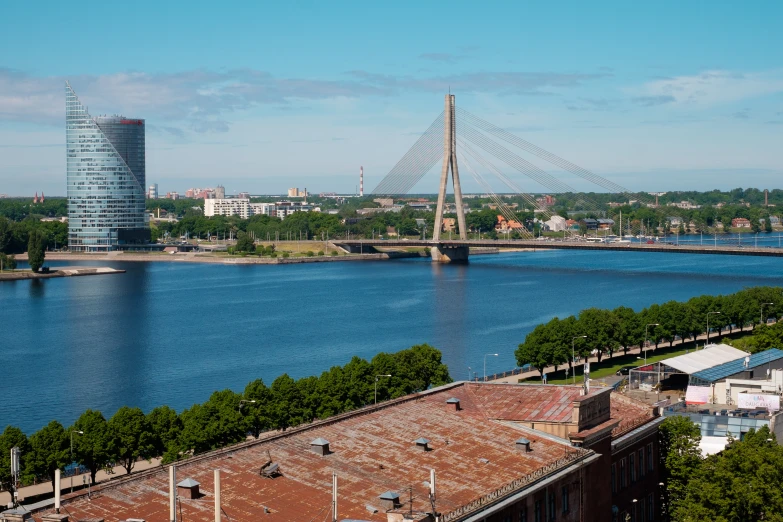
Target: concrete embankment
{"type": "Point", "coordinates": [67, 271]}
{"type": "Point", "coordinates": [226, 260]}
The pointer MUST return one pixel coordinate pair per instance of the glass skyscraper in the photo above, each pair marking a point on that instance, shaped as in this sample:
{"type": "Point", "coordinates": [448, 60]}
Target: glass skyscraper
{"type": "Point", "coordinates": [106, 179]}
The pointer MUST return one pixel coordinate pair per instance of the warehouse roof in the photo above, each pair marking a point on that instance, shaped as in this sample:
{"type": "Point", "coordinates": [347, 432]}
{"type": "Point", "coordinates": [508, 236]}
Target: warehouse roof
{"type": "Point", "coordinates": [724, 370]}
{"type": "Point", "coordinates": [700, 360]}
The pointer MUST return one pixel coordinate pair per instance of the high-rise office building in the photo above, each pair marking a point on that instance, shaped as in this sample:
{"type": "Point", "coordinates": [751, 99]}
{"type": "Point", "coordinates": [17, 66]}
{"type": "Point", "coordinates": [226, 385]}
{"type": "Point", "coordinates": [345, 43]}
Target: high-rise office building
{"type": "Point", "coordinates": [106, 179]}
{"type": "Point", "coordinates": [153, 192]}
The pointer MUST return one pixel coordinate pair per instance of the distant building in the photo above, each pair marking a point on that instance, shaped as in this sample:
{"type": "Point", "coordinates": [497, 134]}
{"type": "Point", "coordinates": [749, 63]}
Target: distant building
{"type": "Point", "coordinates": [293, 192]}
{"type": "Point", "coordinates": [384, 202]}
{"type": "Point", "coordinates": [263, 209]}
{"type": "Point", "coordinates": [546, 201]}
{"type": "Point", "coordinates": [449, 224]}
{"type": "Point", "coordinates": [504, 225]}
{"type": "Point", "coordinates": [227, 207]}
{"type": "Point", "coordinates": [605, 224]}
{"type": "Point", "coordinates": [106, 179]}
{"type": "Point", "coordinates": [590, 224]}
{"type": "Point", "coordinates": [556, 223]}
{"type": "Point", "coordinates": [220, 192]}
{"type": "Point", "coordinates": [153, 191]}
{"type": "Point", "coordinates": [172, 195]}
{"type": "Point", "coordinates": [244, 195]}
{"type": "Point", "coordinates": [284, 209]}
{"type": "Point", "coordinates": [740, 223]}
{"type": "Point", "coordinates": [190, 193]}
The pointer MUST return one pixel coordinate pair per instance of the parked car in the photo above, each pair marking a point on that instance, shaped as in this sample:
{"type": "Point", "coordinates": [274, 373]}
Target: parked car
{"type": "Point", "coordinates": [625, 370]}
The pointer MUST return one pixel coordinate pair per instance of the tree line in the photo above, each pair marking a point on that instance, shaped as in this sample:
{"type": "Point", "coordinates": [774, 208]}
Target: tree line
{"type": "Point", "coordinates": [225, 418]}
{"type": "Point", "coordinates": [607, 331]}
{"type": "Point", "coordinates": [741, 483]}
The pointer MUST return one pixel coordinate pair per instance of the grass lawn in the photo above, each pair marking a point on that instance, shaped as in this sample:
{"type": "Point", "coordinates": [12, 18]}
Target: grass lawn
{"type": "Point", "coordinates": [609, 367]}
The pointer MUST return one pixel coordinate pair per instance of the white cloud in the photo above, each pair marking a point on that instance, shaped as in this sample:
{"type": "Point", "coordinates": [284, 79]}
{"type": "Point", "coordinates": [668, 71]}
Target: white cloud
{"type": "Point", "coordinates": [712, 87]}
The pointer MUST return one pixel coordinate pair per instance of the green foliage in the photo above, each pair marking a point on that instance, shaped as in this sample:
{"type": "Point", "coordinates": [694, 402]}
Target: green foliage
{"type": "Point", "coordinates": [92, 448]}
{"type": "Point", "coordinates": [36, 250]}
{"type": "Point", "coordinates": [11, 436]}
{"type": "Point", "coordinates": [606, 330]}
{"type": "Point", "coordinates": [245, 243]}
{"type": "Point", "coordinates": [49, 450]}
{"type": "Point", "coordinates": [333, 253]}
{"type": "Point", "coordinates": [679, 457]}
{"type": "Point", "coordinates": [130, 437]}
{"type": "Point", "coordinates": [7, 262]}
{"type": "Point", "coordinates": [309, 253]}
{"type": "Point", "coordinates": [762, 338]}
{"type": "Point", "coordinates": [226, 418]}
{"type": "Point", "coordinates": [741, 483]}
{"type": "Point", "coordinates": [320, 252]}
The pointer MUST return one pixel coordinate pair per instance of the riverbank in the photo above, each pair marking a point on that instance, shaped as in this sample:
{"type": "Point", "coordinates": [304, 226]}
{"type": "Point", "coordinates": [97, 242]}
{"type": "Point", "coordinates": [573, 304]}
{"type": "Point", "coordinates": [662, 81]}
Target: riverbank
{"type": "Point", "coordinates": [66, 271]}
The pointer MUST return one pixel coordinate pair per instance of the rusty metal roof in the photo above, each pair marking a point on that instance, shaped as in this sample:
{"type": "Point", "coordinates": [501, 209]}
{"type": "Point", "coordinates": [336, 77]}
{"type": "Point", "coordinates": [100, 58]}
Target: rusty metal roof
{"type": "Point", "coordinates": [471, 453]}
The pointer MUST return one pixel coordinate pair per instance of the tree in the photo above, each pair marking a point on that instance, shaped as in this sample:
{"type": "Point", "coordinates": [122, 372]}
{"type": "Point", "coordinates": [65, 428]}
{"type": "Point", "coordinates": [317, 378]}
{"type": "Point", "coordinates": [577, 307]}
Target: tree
{"type": "Point", "coordinates": [165, 426]}
{"type": "Point", "coordinates": [212, 425]}
{"type": "Point", "coordinates": [49, 451]}
{"type": "Point", "coordinates": [6, 234]}
{"type": "Point", "coordinates": [130, 437]}
{"type": "Point", "coordinates": [538, 349]}
{"type": "Point", "coordinates": [245, 243]}
{"type": "Point", "coordinates": [11, 437]}
{"type": "Point", "coordinates": [91, 448]}
{"type": "Point", "coordinates": [629, 328]}
{"type": "Point", "coordinates": [256, 413]}
{"type": "Point", "coordinates": [679, 457]}
{"type": "Point", "coordinates": [601, 328]}
{"type": "Point", "coordinates": [36, 250]}
{"type": "Point", "coordinates": [740, 483]}
{"type": "Point", "coordinates": [7, 262]}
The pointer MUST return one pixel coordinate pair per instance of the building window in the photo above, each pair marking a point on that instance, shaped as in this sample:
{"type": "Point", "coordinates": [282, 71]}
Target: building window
{"type": "Point", "coordinates": [642, 511]}
{"type": "Point", "coordinates": [641, 463]}
{"type": "Point", "coordinates": [632, 467]}
{"type": "Point", "coordinates": [551, 506]}
{"type": "Point", "coordinates": [523, 514]}
{"type": "Point", "coordinates": [537, 512]}
{"type": "Point", "coordinates": [650, 463]}
{"type": "Point", "coordinates": [614, 478]}
{"type": "Point", "coordinates": [565, 499]}
{"type": "Point", "coordinates": [623, 476]}
{"type": "Point", "coordinates": [650, 507]}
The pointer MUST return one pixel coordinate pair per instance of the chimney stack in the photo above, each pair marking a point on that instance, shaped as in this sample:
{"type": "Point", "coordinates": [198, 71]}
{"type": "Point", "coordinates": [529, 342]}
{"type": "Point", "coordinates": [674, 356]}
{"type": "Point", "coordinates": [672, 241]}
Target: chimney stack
{"type": "Point", "coordinates": [361, 181]}
{"type": "Point", "coordinates": [172, 494]}
{"type": "Point", "coordinates": [217, 495]}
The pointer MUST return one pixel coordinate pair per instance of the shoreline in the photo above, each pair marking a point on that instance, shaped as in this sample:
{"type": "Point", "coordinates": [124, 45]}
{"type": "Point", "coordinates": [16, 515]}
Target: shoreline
{"type": "Point", "coordinates": [65, 271]}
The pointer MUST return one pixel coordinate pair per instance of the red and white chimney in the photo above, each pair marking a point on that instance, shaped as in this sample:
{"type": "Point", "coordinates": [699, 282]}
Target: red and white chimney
{"type": "Point", "coordinates": [361, 181]}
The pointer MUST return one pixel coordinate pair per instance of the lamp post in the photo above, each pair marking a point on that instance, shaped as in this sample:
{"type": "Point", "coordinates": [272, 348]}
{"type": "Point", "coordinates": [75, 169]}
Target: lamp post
{"type": "Point", "coordinates": [646, 341]}
{"type": "Point", "coordinates": [470, 371]}
{"type": "Point", "coordinates": [243, 401]}
{"type": "Point", "coordinates": [761, 320]}
{"type": "Point", "coordinates": [376, 385]}
{"type": "Point", "coordinates": [573, 354]}
{"type": "Point", "coordinates": [485, 364]}
{"type": "Point", "coordinates": [708, 326]}
{"type": "Point", "coordinates": [72, 432]}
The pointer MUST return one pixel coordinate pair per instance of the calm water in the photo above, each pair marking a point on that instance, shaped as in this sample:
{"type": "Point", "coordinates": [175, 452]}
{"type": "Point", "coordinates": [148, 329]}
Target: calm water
{"type": "Point", "coordinates": [167, 333]}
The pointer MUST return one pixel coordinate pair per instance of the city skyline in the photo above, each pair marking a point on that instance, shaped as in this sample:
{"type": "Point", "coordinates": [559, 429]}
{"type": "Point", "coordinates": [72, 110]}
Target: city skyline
{"type": "Point", "coordinates": [665, 97]}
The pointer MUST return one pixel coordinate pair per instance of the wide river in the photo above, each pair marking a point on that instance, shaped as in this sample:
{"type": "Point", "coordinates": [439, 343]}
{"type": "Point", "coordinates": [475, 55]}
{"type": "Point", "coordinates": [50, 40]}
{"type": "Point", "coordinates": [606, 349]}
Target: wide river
{"type": "Point", "coordinates": [166, 333]}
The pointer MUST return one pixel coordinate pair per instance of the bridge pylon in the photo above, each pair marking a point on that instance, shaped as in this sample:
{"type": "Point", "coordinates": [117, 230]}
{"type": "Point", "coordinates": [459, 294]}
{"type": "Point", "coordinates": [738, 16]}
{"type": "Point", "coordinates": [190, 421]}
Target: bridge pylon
{"type": "Point", "coordinates": [439, 253]}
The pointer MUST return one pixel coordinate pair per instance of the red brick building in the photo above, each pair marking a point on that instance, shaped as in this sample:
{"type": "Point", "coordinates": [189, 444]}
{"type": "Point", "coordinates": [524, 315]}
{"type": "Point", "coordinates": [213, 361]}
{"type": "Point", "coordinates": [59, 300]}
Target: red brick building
{"type": "Point", "coordinates": [499, 453]}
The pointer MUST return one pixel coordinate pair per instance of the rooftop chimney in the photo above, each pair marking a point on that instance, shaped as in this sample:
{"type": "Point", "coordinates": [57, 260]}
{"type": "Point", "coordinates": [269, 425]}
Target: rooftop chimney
{"type": "Point", "coordinates": [422, 444]}
{"type": "Point", "coordinates": [188, 488]}
{"type": "Point", "coordinates": [390, 500]}
{"type": "Point", "coordinates": [454, 402]}
{"type": "Point", "coordinates": [320, 446]}
{"type": "Point", "coordinates": [523, 444]}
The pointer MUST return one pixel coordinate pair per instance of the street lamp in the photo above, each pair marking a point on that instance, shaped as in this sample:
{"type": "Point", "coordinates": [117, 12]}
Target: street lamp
{"type": "Point", "coordinates": [761, 321]}
{"type": "Point", "coordinates": [376, 385]}
{"type": "Point", "coordinates": [72, 432]}
{"type": "Point", "coordinates": [470, 372]}
{"type": "Point", "coordinates": [646, 341]}
{"type": "Point", "coordinates": [485, 364]}
{"type": "Point", "coordinates": [243, 401]}
{"type": "Point", "coordinates": [573, 355]}
{"type": "Point", "coordinates": [708, 327]}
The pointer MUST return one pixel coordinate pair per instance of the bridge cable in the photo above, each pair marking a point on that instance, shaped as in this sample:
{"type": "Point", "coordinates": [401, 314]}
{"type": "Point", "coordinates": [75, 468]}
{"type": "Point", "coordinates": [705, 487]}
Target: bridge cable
{"type": "Point", "coordinates": [416, 162]}
{"type": "Point", "coordinates": [528, 169]}
{"type": "Point", "coordinates": [504, 210]}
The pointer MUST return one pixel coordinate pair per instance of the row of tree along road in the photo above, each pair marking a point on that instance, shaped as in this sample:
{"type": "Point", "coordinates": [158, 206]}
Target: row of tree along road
{"type": "Point", "coordinates": [606, 331]}
{"type": "Point", "coordinates": [225, 418]}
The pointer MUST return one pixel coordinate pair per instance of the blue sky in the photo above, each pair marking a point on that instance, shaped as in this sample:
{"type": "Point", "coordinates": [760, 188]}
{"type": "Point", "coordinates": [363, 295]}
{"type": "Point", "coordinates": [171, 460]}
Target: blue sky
{"type": "Point", "coordinates": [260, 96]}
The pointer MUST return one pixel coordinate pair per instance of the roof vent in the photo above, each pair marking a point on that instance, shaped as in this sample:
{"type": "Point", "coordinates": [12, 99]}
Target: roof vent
{"type": "Point", "coordinates": [523, 444]}
{"type": "Point", "coordinates": [188, 488]}
{"type": "Point", "coordinates": [422, 444]}
{"type": "Point", "coordinates": [270, 470]}
{"type": "Point", "coordinates": [390, 500]}
{"type": "Point", "coordinates": [320, 446]}
{"type": "Point", "coordinates": [454, 402]}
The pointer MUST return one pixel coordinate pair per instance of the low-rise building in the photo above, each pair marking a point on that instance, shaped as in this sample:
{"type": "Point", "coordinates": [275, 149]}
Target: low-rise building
{"type": "Point", "coordinates": [740, 223]}
{"type": "Point", "coordinates": [461, 452]}
{"type": "Point", "coordinates": [227, 207]}
{"type": "Point", "coordinates": [556, 223]}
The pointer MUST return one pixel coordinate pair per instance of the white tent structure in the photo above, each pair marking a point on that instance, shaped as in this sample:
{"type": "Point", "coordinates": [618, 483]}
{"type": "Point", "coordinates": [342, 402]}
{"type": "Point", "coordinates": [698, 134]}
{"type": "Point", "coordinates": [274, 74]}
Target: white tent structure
{"type": "Point", "coordinates": [646, 377]}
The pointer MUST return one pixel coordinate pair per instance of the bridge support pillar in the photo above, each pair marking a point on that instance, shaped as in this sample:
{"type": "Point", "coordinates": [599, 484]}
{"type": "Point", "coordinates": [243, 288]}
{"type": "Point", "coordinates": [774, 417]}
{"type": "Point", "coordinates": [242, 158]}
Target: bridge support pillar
{"type": "Point", "coordinates": [444, 254]}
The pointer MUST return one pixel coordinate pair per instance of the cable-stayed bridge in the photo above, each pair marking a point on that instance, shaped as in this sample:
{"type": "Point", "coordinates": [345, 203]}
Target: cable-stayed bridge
{"type": "Point", "coordinates": [458, 138]}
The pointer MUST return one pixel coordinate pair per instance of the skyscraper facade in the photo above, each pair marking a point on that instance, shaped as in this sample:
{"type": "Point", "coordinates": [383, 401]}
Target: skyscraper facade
{"type": "Point", "coordinates": [106, 179]}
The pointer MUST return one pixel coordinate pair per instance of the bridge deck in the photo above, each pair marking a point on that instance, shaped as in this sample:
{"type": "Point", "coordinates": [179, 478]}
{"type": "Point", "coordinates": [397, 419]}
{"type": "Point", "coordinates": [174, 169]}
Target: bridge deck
{"type": "Point", "coordinates": [572, 245]}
